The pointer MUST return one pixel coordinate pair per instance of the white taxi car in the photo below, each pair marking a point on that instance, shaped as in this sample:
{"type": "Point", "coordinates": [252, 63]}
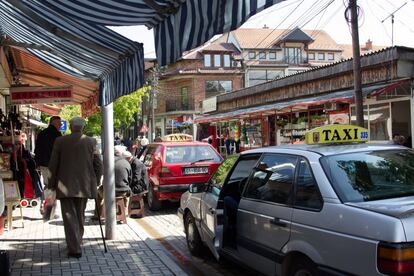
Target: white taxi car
{"type": "Point", "coordinates": [331, 207]}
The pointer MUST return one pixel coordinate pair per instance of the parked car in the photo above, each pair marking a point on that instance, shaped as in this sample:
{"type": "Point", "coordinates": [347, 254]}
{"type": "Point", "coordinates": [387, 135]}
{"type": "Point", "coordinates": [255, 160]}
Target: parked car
{"type": "Point", "coordinates": [335, 209]}
{"type": "Point", "coordinates": [175, 164]}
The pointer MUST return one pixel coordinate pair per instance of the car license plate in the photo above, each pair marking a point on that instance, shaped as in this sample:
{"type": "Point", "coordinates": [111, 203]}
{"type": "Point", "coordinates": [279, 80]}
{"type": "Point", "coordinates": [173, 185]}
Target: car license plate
{"type": "Point", "coordinates": [196, 170]}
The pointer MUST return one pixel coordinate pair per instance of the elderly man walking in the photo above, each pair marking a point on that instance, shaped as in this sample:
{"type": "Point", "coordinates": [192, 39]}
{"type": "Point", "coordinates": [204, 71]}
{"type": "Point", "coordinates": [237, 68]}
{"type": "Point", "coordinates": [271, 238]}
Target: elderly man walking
{"type": "Point", "coordinates": [73, 177]}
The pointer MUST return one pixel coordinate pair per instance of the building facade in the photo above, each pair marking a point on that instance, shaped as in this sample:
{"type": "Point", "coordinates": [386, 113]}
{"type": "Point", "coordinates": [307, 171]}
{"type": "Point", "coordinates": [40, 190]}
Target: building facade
{"type": "Point", "coordinates": [281, 111]}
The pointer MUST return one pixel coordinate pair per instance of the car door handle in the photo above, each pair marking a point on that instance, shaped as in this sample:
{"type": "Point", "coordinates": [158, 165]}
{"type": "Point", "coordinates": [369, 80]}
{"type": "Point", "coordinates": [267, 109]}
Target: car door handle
{"type": "Point", "coordinates": [212, 210]}
{"type": "Point", "coordinates": [277, 222]}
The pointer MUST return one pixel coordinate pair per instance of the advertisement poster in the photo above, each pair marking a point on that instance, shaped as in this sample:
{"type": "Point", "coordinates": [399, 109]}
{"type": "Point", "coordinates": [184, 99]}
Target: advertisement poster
{"type": "Point", "coordinates": [339, 118]}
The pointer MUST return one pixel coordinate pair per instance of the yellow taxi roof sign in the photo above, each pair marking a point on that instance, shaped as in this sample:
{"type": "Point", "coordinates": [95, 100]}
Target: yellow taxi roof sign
{"type": "Point", "coordinates": [331, 134]}
{"type": "Point", "coordinates": [177, 137]}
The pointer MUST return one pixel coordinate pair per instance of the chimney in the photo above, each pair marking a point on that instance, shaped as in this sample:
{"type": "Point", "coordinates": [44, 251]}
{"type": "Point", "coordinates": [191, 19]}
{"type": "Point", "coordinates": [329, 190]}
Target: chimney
{"type": "Point", "coordinates": [265, 27]}
{"type": "Point", "coordinates": [368, 45]}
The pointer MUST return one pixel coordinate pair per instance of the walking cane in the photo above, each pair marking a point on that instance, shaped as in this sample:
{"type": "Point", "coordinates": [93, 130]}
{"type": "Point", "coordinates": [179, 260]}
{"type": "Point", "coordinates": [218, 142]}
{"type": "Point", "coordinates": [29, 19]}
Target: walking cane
{"type": "Point", "coordinates": [100, 224]}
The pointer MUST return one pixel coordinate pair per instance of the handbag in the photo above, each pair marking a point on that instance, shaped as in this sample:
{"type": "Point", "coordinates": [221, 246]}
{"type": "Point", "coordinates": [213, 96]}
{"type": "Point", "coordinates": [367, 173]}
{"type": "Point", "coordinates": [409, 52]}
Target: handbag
{"type": "Point", "coordinates": [49, 203]}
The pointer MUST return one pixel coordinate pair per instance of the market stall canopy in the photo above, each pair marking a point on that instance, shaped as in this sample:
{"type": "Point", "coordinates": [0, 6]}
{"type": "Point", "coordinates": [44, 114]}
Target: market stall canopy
{"type": "Point", "coordinates": [34, 72]}
{"type": "Point", "coordinates": [345, 96]}
{"type": "Point", "coordinates": [71, 35]}
{"type": "Point", "coordinates": [77, 48]}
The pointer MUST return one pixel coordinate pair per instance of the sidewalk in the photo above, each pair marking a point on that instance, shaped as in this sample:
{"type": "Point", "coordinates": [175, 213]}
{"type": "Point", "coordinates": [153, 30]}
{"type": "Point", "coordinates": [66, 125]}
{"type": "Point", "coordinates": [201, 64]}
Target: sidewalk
{"type": "Point", "coordinates": [40, 249]}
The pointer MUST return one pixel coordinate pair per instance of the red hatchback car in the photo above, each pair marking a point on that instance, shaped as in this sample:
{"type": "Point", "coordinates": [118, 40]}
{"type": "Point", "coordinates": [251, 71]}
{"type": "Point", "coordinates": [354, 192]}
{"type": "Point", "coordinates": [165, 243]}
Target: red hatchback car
{"type": "Point", "coordinates": [174, 165]}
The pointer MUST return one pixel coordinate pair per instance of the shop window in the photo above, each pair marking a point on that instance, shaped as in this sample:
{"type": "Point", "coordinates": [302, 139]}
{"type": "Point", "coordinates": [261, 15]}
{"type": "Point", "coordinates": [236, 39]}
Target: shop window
{"type": "Point", "coordinates": [331, 56]}
{"type": "Point", "coordinates": [226, 60]}
{"type": "Point", "coordinates": [262, 76]}
{"type": "Point", "coordinates": [272, 55]}
{"type": "Point", "coordinates": [184, 98]}
{"type": "Point", "coordinates": [262, 55]}
{"type": "Point", "coordinates": [207, 60]}
{"type": "Point", "coordinates": [293, 55]}
{"type": "Point", "coordinates": [252, 55]}
{"type": "Point", "coordinates": [217, 60]}
{"type": "Point", "coordinates": [321, 56]}
{"type": "Point", "coordinates": [311, 56]}
{"type": "Point", "coordinates": [214, 87]}
{"type": "Point", "coordinates": [376, 120]}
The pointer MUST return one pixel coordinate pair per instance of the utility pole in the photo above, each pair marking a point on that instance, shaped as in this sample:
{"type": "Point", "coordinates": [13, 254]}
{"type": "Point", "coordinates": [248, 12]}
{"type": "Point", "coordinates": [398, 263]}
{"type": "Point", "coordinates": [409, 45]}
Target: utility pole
{"type": "Point", "coordinates": [359, 108]}
{"type": "Point", "coordinates": [392, 22]}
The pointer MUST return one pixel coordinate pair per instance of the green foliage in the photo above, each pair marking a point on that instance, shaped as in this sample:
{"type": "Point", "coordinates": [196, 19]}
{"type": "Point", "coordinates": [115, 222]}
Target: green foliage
{"type": "Point", "coordinates": [125, 109]}
{"type": "Point", "coordinates": [127, 106]}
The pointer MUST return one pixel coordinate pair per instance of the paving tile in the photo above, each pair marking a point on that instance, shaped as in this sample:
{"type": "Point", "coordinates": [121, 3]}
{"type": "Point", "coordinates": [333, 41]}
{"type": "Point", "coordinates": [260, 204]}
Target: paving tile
{"type": "Point", "coordinates": [40, 249]}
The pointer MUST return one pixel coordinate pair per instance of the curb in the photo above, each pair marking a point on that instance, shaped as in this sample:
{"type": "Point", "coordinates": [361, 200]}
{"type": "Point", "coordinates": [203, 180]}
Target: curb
{"type": "Point", "coordinates": [156, 247]}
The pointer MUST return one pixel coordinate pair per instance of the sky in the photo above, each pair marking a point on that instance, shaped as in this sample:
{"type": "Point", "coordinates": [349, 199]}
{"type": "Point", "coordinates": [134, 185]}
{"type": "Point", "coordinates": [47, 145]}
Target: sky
{"type": "Point", "coordinates": [321, 14]}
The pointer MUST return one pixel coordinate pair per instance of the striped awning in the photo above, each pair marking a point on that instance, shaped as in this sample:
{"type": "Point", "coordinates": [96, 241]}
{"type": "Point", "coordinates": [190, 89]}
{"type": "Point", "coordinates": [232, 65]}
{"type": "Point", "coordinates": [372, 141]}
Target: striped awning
{"type": "Point", "coordinates": [77, 48]}
{"type": "Point", "coordinates": [179, 25]}
{"type": "Point", "coordinates": [71, 35]}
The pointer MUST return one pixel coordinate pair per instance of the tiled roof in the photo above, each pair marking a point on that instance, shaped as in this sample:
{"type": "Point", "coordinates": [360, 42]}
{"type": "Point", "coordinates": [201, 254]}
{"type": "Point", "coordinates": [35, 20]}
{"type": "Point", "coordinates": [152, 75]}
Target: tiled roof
{"type": "Point", "coordinates": [212, 47]}
{"type": "Point", "coordinates": [347, 50]}
{"type": "Point", "coordinates": [266, 38]}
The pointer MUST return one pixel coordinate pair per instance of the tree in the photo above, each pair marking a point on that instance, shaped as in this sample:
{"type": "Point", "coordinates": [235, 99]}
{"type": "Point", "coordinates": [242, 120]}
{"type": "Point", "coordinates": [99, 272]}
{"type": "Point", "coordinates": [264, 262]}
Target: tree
{"type": "Point", "coordinates": [125, 109]}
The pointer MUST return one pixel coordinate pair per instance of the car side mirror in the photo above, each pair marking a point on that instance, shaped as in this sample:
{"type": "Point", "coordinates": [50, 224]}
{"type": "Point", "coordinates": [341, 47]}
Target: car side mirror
{"type": "Point", "coordinates": [197, 188]}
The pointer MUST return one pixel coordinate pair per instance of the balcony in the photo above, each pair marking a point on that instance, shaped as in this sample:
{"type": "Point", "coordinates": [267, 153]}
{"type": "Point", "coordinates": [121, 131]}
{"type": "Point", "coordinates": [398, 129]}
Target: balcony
{"type": "Point", "coordinates": [177, 106]}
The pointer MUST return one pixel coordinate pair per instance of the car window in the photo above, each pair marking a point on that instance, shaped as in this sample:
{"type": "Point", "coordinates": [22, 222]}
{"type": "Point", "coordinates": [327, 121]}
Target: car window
{"type": "Point", "coordinates": [239, 175]}
{"type": "Point", "coordinates": [373, 175]}
{"type": "Point", "coordinates": [148, 156]}
{"type": "Point", "coordinates": [189, 154]}
{"type": "Point", "coordinates": [307, 193]}
{"type": "Point", "coordinates": [272, 179]}
{"type": "Point", "coordinates": [218, 177]}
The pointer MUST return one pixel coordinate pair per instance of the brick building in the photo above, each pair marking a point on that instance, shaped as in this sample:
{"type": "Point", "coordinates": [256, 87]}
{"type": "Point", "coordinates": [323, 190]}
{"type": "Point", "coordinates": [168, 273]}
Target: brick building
{"type": "Point", "coordinates": [201, 73]}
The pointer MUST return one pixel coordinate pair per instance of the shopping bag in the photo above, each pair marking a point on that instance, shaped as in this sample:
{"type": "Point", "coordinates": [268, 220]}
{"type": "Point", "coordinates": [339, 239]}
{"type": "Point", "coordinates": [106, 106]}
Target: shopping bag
{"type": "Point", "coordinates": [49, 204]}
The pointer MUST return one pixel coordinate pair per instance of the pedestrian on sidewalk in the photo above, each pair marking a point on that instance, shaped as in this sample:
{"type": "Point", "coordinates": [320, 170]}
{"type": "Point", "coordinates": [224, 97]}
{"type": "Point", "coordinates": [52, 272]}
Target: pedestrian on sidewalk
{"type": "Point", "coordinates": [139, 180]}
{"type": "Point", "coordinates": [123, 176]}
{"type": "Point", "coordinates": [43, 148]}
{"type": "Point", "coordinates": [73, 177]}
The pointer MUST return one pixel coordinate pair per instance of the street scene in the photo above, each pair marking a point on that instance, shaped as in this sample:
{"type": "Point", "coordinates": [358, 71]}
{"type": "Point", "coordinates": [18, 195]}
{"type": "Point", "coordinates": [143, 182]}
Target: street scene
{"type": "Point", "coordinates": [192, 137]}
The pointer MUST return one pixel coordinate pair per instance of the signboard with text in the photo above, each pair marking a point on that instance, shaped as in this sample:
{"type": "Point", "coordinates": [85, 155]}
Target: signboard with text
{"type": "Point", "coordinates": [36, 95]}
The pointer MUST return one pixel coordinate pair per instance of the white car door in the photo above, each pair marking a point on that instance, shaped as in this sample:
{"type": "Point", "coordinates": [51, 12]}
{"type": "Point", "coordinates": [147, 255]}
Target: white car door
{"type": "Point", "coordinates": [211, 226]}
{"type": "Point", "coordinates": [265, 212]}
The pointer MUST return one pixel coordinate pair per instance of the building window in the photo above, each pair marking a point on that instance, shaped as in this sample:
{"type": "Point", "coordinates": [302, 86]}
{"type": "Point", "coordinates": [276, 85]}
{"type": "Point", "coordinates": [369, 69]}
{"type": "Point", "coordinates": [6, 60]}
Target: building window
{"type": "Point", "coordinates": [311, 56]}
{"type": "Point", "coordinates": [226, 59]}
{"type": "Point", "coordinates": [217, 60]}
{"type": "Point", "coordinates": [321, 56]}
{"type": "Point", "coordinates": [293, 55]}
{"type": "Point", "coordinates": [272, 55]}
{"type": "Point", "coordinates": [214, 87]}
{"type": "Point", "coordinates": [262, 55]}
{"type": "Point", "coordinates": [331, 56]}
{"type": "Point", "coordinates": [252, 55]}
{"type": "Point", "coordinates": [207, 60]}
{"type": "Point", "coordinates": [184, 98]}
{"type": "Point", "coordinates": [262, 76]}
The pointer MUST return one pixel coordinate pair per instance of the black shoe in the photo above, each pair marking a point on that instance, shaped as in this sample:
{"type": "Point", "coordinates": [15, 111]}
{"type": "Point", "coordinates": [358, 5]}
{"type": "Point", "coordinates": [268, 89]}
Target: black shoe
{"type": "Point", "coordinates": [74, 255]}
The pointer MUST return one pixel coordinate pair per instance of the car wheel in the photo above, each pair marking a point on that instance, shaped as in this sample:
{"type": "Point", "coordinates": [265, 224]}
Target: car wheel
{"type": "Point", "coordinates": [194, 243]}
{"type": "Point", "coordinates": [154, 203]}
{"type": "Point", "coordinates": [302, 267]}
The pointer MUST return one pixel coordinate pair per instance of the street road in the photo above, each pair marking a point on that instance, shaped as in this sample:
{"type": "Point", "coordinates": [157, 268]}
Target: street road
{"type": "Point", "coordinates": [166, 227]}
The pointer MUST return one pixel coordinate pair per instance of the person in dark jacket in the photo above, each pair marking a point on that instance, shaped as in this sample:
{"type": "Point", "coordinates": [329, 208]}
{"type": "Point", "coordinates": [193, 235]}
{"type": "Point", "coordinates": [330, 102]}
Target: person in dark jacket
{"type": "Point", "coordinates": [123, 174]}
{"type": "Point", "coordinates": [43, 149]}
{"type": "Point", "coordinates": [139, 180]}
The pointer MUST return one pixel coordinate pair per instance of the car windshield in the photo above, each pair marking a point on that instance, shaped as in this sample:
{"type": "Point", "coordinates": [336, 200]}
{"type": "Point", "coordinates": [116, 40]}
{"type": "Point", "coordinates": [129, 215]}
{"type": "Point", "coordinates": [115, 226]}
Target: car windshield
{"type": "Point", "coordinates": [190, 154]}
{"type": "Point", "coordinates": [374, 175]}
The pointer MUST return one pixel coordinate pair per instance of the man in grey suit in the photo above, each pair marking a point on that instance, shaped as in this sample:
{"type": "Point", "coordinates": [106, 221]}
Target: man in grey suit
{"type": "Point", "coordinates": [73, 177]}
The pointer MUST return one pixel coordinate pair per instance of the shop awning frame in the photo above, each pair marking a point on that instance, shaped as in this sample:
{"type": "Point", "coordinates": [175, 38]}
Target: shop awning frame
{"type": "Point", "coordinates": [344, 96]}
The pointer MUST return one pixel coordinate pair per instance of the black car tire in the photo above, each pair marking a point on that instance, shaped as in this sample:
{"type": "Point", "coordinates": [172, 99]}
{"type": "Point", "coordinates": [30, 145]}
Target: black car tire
{"type": "Point", "coordinates": [302, 267]}
{"type": "Point", "coordinates": [194, 243]}
{"type": "Point", "coordinates": [154, 204]}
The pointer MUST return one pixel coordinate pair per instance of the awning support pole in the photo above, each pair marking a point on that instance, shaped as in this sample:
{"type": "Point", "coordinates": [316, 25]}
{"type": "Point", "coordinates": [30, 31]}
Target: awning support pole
{"type": "Point", "coordinates": [109, 171]}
